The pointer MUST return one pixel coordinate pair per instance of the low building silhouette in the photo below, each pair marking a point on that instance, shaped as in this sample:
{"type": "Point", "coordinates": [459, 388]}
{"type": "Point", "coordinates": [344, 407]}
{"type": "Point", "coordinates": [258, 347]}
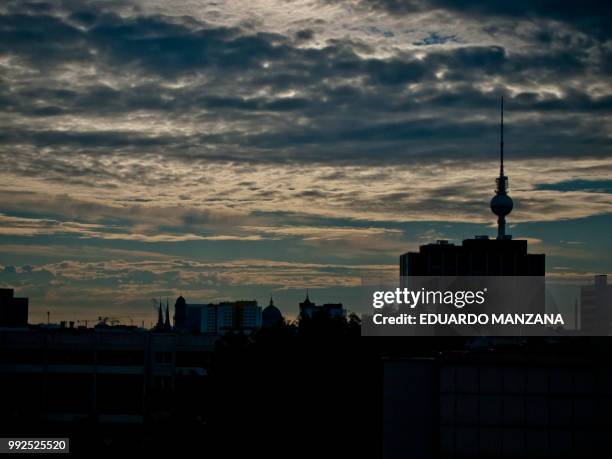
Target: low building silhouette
{"type": "Point", "coordinates": [13, 311]}
{"type": "Point", "coordinates": [308, 309]}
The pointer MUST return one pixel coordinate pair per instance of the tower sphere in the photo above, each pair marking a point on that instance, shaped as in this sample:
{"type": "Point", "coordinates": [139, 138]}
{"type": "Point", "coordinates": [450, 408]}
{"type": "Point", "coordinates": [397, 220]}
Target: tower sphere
{"type": "Point", "coordinates": [501, 205]}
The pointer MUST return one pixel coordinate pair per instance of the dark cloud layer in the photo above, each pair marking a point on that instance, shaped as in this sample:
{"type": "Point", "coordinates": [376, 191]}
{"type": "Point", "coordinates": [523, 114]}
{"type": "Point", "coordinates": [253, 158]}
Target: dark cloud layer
{"type": "Point", "coordinates": [592, 16]}
{"type": "Point", "coordinates": [269, 98]}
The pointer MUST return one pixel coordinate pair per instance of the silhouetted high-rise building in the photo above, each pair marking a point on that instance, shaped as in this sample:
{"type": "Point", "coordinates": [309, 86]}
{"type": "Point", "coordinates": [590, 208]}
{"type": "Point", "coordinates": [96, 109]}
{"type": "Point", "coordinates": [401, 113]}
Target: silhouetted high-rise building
{"type": "Point", "coordinates": [230, 316]}
{"type": "Point", "coordinates": [180, 313]}
{"type": "Point", "coordinates": [475, 257]}
{"type": "Point", "coordinates": [13, 311]}
{"type": "Point", "coordinates": [480, 256]}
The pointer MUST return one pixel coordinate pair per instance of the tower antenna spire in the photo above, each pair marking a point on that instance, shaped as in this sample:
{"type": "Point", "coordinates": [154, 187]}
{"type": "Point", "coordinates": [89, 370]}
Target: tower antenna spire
{"type": "Point", "coordinates": [501, 143]}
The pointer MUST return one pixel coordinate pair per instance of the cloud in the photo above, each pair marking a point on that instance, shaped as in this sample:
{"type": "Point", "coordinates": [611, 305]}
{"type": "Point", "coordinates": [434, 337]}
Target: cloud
{"type": "Point", "coordinates": [243, 203]}
{"type": "Point", "coordinates": [590, 16]}
{"type": "Point", "coordinates": [325, 233]}
{"type": "Point", "coordinates": [596, 186]}
{"type": "Point", "coordinates": [193, 89]}
{"type": "Point", "coordinates": [75, 289]}
{"type": "Point", "coordinates": [434, 38]}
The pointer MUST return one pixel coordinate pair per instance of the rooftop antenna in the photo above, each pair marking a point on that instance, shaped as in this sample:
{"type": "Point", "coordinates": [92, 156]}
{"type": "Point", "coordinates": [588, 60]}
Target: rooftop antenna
{"type": "Point", "coordinates": [501, 204]}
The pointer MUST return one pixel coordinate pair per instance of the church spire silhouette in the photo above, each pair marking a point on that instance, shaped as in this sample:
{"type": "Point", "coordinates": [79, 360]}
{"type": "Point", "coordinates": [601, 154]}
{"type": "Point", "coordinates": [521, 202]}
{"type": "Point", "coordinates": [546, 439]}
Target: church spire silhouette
{"type": "Point", "coordinates": [501, 204]}
{"type": "Point", "coordinates": [160, 317]}
{"type": "Point", "coordinates": [167, 324]}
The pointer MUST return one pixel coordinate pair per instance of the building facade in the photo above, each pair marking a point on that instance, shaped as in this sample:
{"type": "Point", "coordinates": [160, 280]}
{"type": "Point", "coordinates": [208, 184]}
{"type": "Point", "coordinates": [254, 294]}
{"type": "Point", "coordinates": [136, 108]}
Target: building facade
{"type": "Point", "coordinates": [516, 404]}
{"type": "Point", "coordinates": [596, 307]}
{"type": "Point", "coordinates": [112, 374]}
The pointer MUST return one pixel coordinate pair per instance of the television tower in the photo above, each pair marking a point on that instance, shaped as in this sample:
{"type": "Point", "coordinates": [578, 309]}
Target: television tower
{"type": "Point", "coordinates": [501, 204]}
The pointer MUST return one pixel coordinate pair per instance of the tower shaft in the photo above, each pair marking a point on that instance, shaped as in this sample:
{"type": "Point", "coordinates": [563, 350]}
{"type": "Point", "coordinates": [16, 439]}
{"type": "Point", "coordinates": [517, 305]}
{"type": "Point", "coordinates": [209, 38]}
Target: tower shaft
{"type": "Point", "coordinates": [501, 227]}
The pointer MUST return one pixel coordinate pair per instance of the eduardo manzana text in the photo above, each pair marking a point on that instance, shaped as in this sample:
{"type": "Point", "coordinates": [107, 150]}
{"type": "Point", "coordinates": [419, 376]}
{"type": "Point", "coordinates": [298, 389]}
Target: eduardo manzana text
{"type": "Point", "coordinates": [468, 319]}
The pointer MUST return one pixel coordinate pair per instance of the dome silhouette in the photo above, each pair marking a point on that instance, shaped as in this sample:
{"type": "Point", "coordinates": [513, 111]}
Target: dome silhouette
{"type": "Point", "coordinates": [271, 315]}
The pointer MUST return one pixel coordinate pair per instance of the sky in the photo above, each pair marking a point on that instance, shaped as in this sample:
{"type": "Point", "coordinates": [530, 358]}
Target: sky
{"type": "Point", "coordinates": [238, 150]}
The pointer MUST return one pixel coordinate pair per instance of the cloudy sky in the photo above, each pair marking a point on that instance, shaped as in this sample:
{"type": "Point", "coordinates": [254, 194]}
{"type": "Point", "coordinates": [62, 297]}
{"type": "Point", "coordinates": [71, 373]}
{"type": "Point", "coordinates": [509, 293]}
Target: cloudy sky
{"type": "Point", "coordinates": [231, 149]}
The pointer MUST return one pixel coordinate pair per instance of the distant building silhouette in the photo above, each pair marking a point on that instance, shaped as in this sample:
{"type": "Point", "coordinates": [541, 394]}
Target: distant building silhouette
{"type": "Point", "coordinates": [596, 307]}
{"type": "Point", "coordinates": [271, 315]}
{"type": "Point", "coordinates": [230, 316]}
{"type": "Point", "coordinates": [308, 308]}
{"type": "Point", "coordinates": [13, 311]}
{"type": "Point", "coordinates": [180, 313]}
{"type": "Point", "coordinates": [480, 256]}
